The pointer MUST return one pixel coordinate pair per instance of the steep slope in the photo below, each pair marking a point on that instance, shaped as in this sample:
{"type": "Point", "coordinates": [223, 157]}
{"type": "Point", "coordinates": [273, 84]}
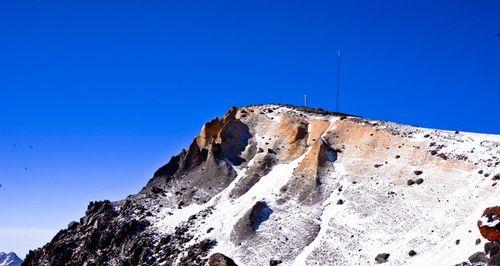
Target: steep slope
{"type": "Point", "coordinates": [9, 259]}
{"type": "Point", "coordinates": [278, 184]}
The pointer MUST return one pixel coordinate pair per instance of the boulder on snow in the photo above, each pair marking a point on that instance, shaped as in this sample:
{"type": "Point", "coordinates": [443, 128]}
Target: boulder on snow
{"type": "Point", "coordinates": [489, 223]}
{"type": "Point", "coordinates": [382, 257]}
{"type": "Point", "coordinates": [274, 262]}
{"type": "Point", "coordinates": [218, 259]}
{"type": "Point", "coordinates": [478, 257]}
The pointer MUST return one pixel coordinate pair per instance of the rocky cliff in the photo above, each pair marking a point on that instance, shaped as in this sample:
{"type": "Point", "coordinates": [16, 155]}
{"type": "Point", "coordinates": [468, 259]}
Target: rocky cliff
{"type": "Point", "coordinates": [282, 185]}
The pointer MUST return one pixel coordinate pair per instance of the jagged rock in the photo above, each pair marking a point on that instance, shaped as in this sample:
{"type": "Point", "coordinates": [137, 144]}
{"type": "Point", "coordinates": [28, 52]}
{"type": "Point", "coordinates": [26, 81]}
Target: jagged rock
{"type": "Point", "coordinates": [410, 182]}
{"type": "Point", "coordinates": [419, 181]}
{"type": "Point", "coordinates": [412, 253]}
{"type": "Point", "coordinates": [218, 259]}
{"type": "Point", "coordinates": [72, 225]}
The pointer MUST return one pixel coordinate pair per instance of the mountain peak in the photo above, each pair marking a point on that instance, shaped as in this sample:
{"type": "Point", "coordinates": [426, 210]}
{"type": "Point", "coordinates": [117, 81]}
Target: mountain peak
{"type": "Point", "coordinates": [9, 259]}
{"type": "Point", "coordinates": [298, 186]}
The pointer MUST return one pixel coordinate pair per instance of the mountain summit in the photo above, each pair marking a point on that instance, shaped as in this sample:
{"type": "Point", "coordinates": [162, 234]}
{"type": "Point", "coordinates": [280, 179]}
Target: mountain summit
{"type": "Point", "coordinates": [284, 185]}
{"type": "Point", "coordinates": [9, 259]}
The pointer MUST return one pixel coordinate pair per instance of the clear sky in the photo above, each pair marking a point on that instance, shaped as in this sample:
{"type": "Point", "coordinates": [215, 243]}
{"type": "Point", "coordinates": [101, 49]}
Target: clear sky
{"type": "Point", "coordinates": [95, 96]}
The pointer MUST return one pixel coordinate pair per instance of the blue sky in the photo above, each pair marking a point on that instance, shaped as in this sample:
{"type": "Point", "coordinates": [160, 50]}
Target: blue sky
{"type": "Point", "coordinates": [95, 96]}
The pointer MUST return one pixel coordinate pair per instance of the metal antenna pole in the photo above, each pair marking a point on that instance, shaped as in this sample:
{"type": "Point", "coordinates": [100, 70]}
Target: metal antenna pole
{"type": "Point", "coordinates": [305, 99]}
{"type": "Point", "coordinates": [338, 79]}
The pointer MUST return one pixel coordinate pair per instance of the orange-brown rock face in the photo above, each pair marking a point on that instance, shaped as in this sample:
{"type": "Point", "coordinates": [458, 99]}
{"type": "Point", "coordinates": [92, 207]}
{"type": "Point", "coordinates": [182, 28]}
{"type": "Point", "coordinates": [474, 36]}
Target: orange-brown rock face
{"type": "Point", "coordinates": [209, 132]}
{"type": "Point", "coordinates": [489, 225]}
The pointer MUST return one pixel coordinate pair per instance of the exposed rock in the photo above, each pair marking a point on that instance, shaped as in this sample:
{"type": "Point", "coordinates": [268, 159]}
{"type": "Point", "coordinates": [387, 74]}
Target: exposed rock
{"type": "Point", "coordinates": [410, 182]}
{"type": "Point", "coordinates": [250, 222]}
{"type": "Point", "coordinates": [72, 225]}
{"type": "Point", "coordinates": [382, 257]}
{"type": "Point", "coordinates": [492, 248]}
{"type": "Point", "coordinates": [419, 181]}
{"type": "Point", "coordinates": [494, 260]}
{"type": "Point", "coordinates": [478, 257]}
{"type": "Point", "coordinates": [489, 224]}
{"type": "Point", "coordinates": [218, 259]}
{"type": "Point", "coordinates": [412, 253]}
{"type": "Point", "coordinates": [274, 262]}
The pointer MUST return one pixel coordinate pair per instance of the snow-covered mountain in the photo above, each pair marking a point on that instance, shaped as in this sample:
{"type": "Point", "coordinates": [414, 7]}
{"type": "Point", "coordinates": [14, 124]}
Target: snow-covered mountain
{"type": "Point", "coordinates": [9, 259]}
{"type": "Point", "coordinates": [284, 185]}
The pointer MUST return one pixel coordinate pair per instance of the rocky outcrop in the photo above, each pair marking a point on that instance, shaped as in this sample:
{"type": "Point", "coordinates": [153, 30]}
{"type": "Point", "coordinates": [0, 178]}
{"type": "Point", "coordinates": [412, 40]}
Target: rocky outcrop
{"type": "Point", "coordinates": [489, 225]}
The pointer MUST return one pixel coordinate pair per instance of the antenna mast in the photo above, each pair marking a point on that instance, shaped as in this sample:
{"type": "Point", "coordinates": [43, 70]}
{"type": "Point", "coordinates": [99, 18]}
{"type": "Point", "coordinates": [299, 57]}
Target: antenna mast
{"type": "Point", "coordinates": [338, 79]}
{"type": "Point", "coordinates": [305, 99]}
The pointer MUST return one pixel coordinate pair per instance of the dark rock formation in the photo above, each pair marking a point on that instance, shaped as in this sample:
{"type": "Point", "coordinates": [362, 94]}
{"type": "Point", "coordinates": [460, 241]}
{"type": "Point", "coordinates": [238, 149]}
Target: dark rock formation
{"type": "Point", "coordinates": [382, 257]}
{"type": "Point", "coordinates": [218, 259]}
{"type": "Point", "coordinates": [250, 222]}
